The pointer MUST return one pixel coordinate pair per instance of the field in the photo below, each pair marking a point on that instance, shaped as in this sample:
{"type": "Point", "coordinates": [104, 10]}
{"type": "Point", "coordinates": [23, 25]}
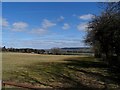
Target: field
{"type": "Point", "coordinates": [58, 71]}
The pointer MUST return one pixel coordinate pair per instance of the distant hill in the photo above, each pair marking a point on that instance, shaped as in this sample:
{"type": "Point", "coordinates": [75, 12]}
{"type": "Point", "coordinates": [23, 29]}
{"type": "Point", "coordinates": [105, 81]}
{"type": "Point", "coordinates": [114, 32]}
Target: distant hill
{"type": "Point", "coordinates": [72, 50]}
{"type": "Point", "coordinates": [77, 49]}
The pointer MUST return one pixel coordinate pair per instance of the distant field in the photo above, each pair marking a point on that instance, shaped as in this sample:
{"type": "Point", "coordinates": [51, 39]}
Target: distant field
{"type": "Point", "coordinates": [74, 71]}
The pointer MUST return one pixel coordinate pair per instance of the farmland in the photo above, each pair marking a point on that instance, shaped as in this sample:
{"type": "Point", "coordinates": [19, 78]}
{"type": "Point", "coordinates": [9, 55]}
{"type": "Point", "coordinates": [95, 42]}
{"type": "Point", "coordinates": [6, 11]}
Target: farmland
{"type": "Point", "coordinates": [58, 71]}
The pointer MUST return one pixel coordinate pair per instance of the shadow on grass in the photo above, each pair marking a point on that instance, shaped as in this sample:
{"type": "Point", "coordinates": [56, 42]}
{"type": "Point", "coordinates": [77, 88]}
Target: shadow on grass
{"type": "Point", "coordinates": [113, 74]}
{"type": "Point", "coordinates": [77, 73]}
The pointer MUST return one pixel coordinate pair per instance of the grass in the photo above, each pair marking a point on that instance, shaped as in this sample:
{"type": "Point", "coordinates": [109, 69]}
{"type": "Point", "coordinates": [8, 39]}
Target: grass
{"type": "Point", "coordinates": [59, 71]}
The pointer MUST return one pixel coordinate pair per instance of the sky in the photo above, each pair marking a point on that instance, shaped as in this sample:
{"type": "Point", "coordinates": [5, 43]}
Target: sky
{"type": "Point", "coordinates": [44, 25]}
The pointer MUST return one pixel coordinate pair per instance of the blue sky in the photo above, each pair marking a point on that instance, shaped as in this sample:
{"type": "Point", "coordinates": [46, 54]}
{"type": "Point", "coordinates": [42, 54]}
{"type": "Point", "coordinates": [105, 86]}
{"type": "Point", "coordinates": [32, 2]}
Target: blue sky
{"type": "Point", "coordinates": [46, 25]}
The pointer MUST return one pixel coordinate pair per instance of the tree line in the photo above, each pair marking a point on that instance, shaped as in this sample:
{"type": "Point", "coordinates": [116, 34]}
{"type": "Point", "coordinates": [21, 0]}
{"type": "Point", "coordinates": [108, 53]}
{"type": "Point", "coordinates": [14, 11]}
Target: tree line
{"type": "Point", "coordinates": [23, 50]}
{"type": "Point", "coordinates": [103, 34]}
{"type": "Point", "coordinates": [54, 51]}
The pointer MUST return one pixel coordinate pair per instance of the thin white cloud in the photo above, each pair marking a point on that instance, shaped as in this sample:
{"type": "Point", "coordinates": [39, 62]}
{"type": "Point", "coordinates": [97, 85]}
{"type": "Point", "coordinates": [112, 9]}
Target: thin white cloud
{"type": "Point", "coordinates": [86, 17]}
{"type": "Point", "coordinates": [51, 43]}
{"type": "Point", "coordinates": [66, 26]}
{"type": "Point", "coordinates": [61, 18]}
{"type": "Point", "coordinates": [38, 31]}
{"type": "Point", "coordinates": [82, 26]}
{"type": "Point", "coordinates": [19, 26]}
{"type": "Point", "coordinates": [74, 15]}
{"type": "Point", "coordinates": [0, 21]}
{"type": "Point", "coordinates": [4, 22]}
{"type": "Point", "coordinates": [46, 24]}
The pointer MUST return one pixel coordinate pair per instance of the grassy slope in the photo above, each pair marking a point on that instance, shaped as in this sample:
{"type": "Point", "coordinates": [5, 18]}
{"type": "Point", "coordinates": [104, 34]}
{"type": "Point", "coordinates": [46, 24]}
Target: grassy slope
{"type": "Point", "coordinates": [16, 61]}
{"type": "Point", "coordinates": [58, 71]}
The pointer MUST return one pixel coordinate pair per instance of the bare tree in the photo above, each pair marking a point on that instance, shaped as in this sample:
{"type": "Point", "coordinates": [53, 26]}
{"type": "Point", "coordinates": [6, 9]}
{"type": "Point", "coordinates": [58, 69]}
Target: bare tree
{"type": "Point", "coordinates": [56, 51]}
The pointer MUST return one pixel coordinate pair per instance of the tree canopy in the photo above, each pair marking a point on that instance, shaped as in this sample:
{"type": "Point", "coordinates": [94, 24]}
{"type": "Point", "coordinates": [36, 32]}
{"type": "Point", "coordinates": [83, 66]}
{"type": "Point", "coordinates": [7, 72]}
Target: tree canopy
{"type": "Point", "coordinates": [104, 32]}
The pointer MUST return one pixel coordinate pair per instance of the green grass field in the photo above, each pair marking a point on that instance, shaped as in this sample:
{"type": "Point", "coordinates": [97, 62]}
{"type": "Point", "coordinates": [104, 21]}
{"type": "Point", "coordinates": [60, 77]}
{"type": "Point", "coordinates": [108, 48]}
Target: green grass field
{"type": "Point", "coordinates": [58, 71]}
